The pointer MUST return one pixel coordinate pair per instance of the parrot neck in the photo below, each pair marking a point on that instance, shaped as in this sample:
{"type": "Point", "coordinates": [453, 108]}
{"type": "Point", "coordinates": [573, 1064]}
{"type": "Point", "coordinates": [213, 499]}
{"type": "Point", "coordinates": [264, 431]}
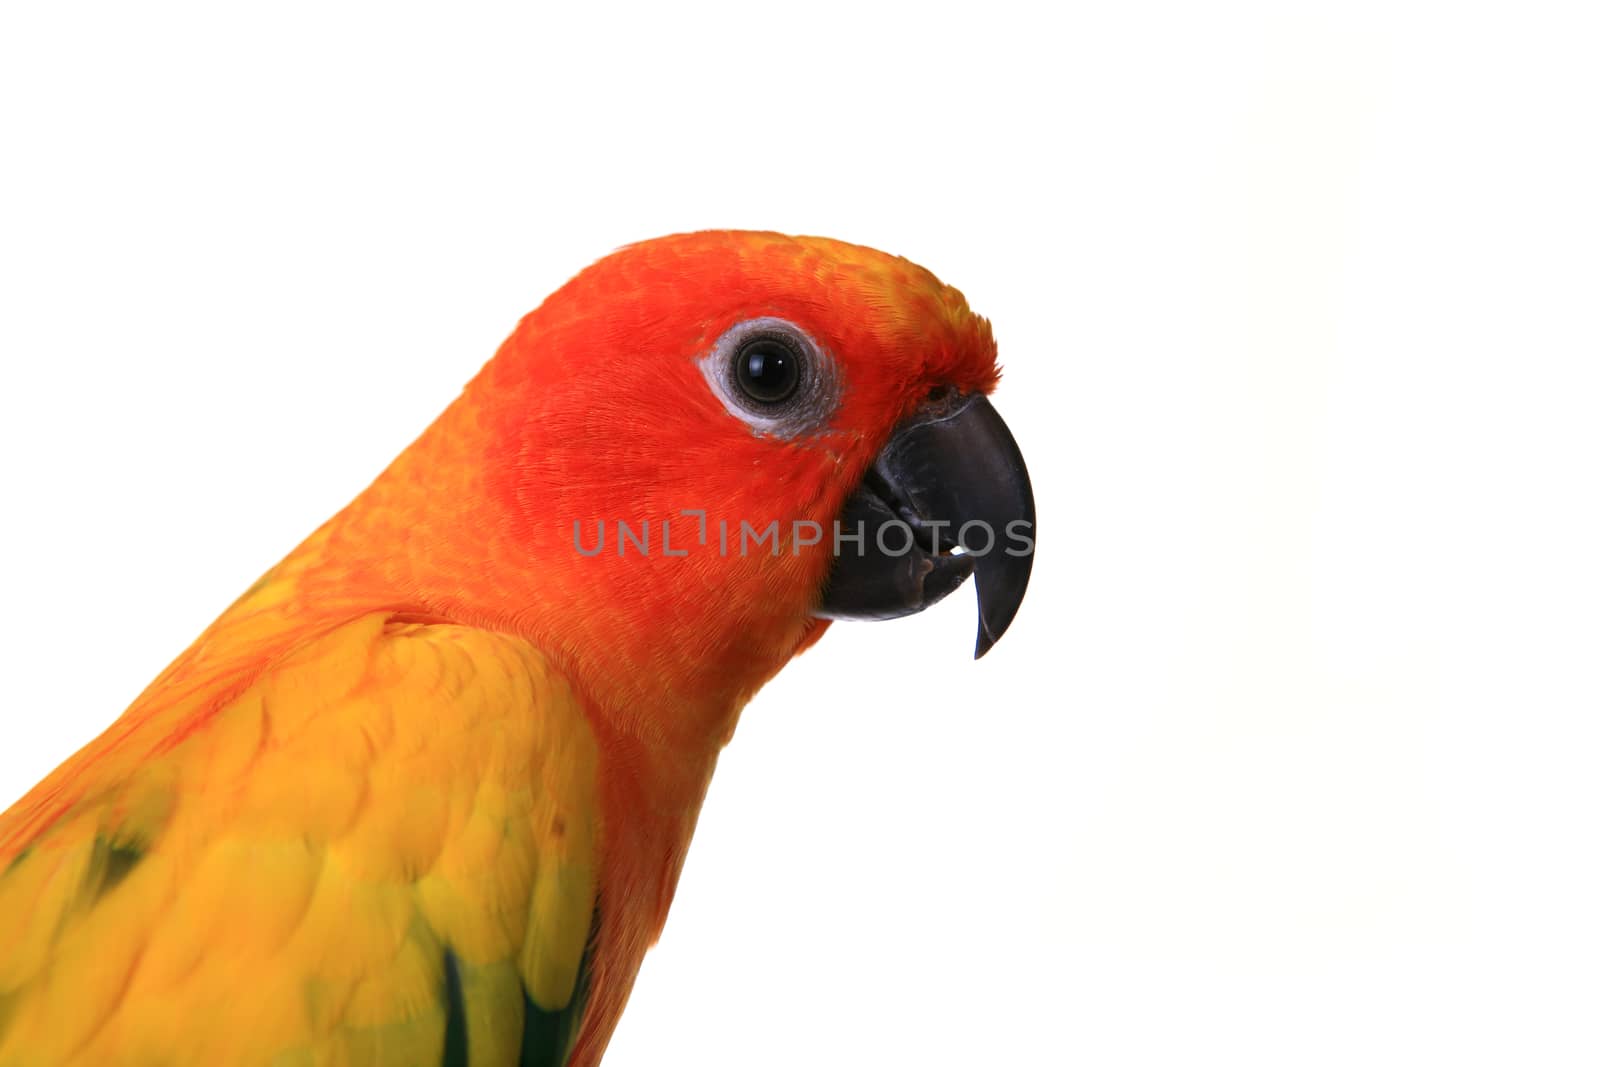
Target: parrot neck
{"type": "Point", "coordinates": [663, 689]}
{"type": "Point", "coordinates": [435, 538]}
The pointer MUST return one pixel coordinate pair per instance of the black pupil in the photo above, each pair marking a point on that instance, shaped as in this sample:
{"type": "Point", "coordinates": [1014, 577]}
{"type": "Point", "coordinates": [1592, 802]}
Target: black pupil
{"type": "Point", "coordinates": [768, 370]}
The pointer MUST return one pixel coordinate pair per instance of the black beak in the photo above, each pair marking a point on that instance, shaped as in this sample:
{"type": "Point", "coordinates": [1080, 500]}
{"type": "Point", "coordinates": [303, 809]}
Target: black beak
{"type": "Point", "coordinates": [951, 476]}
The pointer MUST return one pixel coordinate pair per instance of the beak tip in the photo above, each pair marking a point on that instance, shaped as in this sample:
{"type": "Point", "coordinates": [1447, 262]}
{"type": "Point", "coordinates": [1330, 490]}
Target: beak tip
{"type": "Point", "coordinates": [988, 637]}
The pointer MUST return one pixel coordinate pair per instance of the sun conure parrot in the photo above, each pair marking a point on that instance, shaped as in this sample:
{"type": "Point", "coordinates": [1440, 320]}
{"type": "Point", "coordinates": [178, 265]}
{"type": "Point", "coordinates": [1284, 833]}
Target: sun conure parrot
{"type": "Point", "coordinates": [422, 794]}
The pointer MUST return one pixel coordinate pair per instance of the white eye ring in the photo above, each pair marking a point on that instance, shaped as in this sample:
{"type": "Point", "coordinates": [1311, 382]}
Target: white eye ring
{"type": "Point", "coordinates": [805, 410]}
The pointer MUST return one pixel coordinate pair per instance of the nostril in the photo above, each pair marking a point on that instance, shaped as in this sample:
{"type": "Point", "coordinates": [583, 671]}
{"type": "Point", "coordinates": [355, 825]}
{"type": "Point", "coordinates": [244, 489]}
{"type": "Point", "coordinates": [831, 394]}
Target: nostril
{"type": "Point", "coordinates": [941, 402]}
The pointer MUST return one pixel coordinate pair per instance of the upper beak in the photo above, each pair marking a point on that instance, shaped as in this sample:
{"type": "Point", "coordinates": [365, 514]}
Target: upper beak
{"type": "Point", "coordinates": [951, 475]}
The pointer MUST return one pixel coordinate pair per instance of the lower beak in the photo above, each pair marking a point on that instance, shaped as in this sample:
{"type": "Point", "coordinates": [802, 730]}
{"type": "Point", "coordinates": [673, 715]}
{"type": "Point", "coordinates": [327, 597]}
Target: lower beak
{"type": "Point", "coordinates": [947, 497]}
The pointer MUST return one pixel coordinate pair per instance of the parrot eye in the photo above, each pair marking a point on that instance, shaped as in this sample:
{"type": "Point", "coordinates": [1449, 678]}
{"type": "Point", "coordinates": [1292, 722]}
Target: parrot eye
{"type": "Point", "coordinates": [767, 370]}
{"type": "Point", "coordinates": [773, 377]}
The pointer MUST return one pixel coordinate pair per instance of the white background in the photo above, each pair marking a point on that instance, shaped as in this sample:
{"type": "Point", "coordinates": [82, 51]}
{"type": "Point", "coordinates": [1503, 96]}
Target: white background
{"type": "Point", "coordinates": [1291, 756]}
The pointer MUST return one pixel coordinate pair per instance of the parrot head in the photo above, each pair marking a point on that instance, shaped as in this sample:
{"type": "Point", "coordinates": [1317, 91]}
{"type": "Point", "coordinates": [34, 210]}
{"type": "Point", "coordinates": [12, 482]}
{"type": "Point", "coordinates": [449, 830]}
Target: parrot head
{"type": "Point", "coordinates": [703, 448]}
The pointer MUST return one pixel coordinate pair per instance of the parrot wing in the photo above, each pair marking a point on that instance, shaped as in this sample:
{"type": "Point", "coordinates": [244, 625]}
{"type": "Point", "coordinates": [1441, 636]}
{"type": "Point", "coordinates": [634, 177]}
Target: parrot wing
{"type": "Point", "coordinates": [380, 850]}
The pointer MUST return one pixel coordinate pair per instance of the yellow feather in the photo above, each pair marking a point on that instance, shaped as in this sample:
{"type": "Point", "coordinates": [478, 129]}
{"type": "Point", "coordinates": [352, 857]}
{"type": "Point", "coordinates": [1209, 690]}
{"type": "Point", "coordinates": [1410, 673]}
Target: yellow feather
{"type": "Point", "coordinates": [381, 794]}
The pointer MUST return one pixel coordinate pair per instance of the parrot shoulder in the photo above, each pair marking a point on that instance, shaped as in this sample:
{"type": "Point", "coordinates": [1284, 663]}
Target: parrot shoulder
{"type": "Point", "coordinates": [381, 849]}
